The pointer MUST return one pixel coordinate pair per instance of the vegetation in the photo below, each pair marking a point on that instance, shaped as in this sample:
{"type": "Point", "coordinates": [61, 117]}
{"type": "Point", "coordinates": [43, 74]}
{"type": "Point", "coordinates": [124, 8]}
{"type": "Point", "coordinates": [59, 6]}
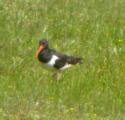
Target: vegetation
{"type": "Point", "coordinates": [93, 29]}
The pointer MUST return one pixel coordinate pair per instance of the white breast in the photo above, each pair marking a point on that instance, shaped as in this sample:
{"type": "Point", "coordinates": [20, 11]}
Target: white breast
{"type": "Point", "coordinates": [52, 61]}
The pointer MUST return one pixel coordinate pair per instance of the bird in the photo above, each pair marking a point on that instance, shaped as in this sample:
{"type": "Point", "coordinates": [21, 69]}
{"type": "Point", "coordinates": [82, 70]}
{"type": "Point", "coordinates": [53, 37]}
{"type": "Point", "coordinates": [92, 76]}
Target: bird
{"type": "Point", "coordinates": [54, 59]}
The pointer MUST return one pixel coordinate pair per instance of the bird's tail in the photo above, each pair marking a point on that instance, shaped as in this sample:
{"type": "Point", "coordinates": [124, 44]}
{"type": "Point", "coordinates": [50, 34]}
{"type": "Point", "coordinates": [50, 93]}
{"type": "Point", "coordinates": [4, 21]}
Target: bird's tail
{"type": "Point", "coordinates": [75, 60]}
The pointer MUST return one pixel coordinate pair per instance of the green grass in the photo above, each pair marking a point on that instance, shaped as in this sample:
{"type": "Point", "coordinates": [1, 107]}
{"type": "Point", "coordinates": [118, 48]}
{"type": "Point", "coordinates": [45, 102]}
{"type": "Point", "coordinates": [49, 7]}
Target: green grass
{"type": "Point", "coordinates": [93, 29]}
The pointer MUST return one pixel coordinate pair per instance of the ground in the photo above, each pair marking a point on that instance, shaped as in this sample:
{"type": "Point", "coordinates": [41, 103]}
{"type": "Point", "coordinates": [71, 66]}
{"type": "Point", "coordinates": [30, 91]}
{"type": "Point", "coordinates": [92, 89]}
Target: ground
{"type": "Point", "coordinates": [92, 29]}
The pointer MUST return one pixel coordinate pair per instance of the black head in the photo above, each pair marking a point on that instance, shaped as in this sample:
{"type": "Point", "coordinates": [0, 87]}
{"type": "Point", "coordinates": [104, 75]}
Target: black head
{"type": "Point", "coordinates": [44, 43]}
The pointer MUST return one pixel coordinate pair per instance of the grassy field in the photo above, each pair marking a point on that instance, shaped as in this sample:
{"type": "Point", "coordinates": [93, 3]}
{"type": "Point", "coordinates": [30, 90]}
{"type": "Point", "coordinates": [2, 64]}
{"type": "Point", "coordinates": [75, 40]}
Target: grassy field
{"type": "Point", "coordinates": [92, 29]}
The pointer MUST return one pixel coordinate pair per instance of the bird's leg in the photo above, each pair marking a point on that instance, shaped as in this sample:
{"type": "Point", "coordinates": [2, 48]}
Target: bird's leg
{"type": "Point", "coordinates": [57, 75]}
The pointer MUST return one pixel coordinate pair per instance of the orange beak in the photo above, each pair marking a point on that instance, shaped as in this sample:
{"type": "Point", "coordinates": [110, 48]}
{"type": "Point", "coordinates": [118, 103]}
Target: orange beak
{"type": "Point", "coordinates": [39, 50]}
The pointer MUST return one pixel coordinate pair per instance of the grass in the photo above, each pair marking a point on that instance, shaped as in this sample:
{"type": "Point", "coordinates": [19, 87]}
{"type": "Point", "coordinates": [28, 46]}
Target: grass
{"type": "Point", "coordinates": [93, 29]}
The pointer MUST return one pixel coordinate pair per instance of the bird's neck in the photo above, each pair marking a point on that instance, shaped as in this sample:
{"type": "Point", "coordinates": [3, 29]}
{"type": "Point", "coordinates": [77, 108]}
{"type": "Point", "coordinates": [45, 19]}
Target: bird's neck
{"type": "Point", "coordinates": [40, 49]}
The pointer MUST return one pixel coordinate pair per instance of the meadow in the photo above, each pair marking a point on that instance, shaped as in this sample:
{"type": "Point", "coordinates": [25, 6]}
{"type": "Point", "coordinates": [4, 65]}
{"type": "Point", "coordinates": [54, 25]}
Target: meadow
{"type": "Point", "coordinates": [92, 29]}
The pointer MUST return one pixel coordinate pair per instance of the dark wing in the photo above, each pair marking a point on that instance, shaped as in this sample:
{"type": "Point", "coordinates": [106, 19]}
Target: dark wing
{"type": "Point", "coordinates": [65, 59]}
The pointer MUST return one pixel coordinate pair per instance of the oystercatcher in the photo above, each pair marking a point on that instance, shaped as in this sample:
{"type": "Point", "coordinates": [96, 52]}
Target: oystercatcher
{"type": "Point", "coordinates": [52, 58]}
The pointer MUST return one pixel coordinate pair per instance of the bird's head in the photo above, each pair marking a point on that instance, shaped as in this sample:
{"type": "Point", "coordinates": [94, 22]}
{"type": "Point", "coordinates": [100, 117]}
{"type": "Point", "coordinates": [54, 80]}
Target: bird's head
{"type": "Point", "coordinates": [43, 43]}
